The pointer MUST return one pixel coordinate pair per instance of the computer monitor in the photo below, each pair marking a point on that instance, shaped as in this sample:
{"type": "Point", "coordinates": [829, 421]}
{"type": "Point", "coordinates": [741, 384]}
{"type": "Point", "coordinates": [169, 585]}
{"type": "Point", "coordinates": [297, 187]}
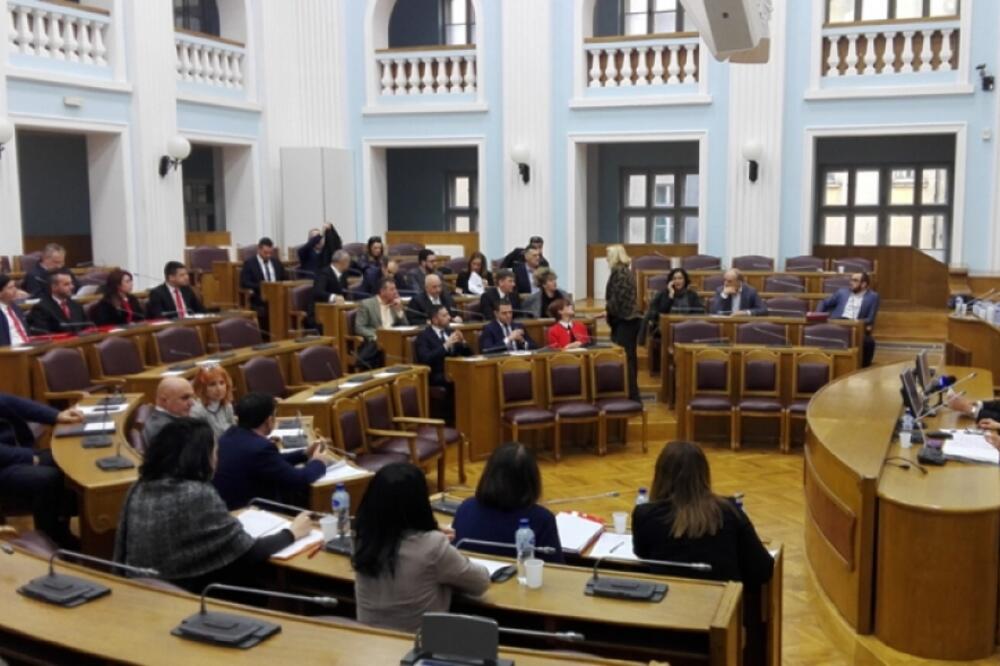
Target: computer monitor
{"type": "Point", "coordinates": [923, 368]}
{"type": "Point", "coordinates": [912, 398]}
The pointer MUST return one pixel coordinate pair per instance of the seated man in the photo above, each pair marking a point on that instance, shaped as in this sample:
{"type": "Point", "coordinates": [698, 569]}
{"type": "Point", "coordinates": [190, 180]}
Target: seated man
{"type": "Point", "coordinates": [384, 310]}
{"type": "Point", "coordinates": [426, 265]}
{"type": "Point", "coordinates": [13, 326]}
{"type": "Point", "coordinates": [250, 465]}
{"type": "Point", "coordinates": [516, 256]}
{"type": "Point", "coordinates": [503, 291]}
{"type": "Point", "coordinates": [856, 302]}
{"type": "Point", "coordinates": [56, 311]}
{"type": "Point", "coordinates": [311, 255]}
{"type": "Point", "coordinates": [174, 299]}
{"type": "Point", "coordinates": [735, 297]}
{"type": "Point", "coordinates": [427, 301]}
{"type": "Point", "coordinates": [36, 281]}
{"type": "Point", "coordinates": [30, 476]}
{"type": "Point", "coordinates": [436, 343]}
{"type": "Point", "coordinates": [503, 333]}
{"type": "Point", "coordinates": [524, 272]}
{"type": "Point", "coordinates": [174, 399]}
{"type": "Point", "coordinates": [330, 283]}
{"type": "Point", "coordinates": [985, 412]}
{"type": "Point", "coordinates": [262, 267]}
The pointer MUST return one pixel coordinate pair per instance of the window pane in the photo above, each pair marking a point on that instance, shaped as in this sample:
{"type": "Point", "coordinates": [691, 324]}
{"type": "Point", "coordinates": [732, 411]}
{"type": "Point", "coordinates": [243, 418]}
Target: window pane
{"type": "Point", "coordinates": [866, 230]}
{"type": "Point", "coordinates": [456, 11]}
{"type": "Point", "coordinates": [665, 5]}
{"type": "Point", "coordinates": [636, 6]}
{"type": "Point", "coordinates": [663, 189]}
{"type": "Point", "coordinates": [690, 230]}
{"type": "Point", "coordinates": [460, 192]}
{"type": "Point", "coordinates": [636, 230]}
{"type": "Point", "coordinates": [635, 24]}
{"type": "Point", "coordinates": [834, 230]}
{"type": "Point", "coordinates": [636, 194]}
{"type": "Point", "coordinates": [901, 192]}
{"type": "Point", "coordinates": [901, 230]}
{"type": "Point", "coordinates": [873, 10]}
{"type": "Point", "coordinates": [663, 229]}
{"type": "Point", "coordinates": [463, 223]}
{"type": "Point", "coordinates": [932, 232]}
{"type": "Point", "coordinates": [866, 188]}
{"type": "Point", "coordinates": [934, 188]}
{"type": "Point", "coordinates": [690, 190]}
{"type": "Point", "coordinates": [835, 189]}
{"type": "Point", "coordinates": [841, 11]}
{"type": "Point", "coordinates": [909, 8]}
{"type": "Point", "coordinates": [944, 7]}
{"type": "Point", "coordinates": [455, 34]}
{"type": "Point", "coordinates": [665, 22]}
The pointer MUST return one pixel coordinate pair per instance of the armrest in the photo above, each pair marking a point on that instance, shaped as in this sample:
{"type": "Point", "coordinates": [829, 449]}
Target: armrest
{"type": "Point", "coordinates": [295, 388]}
{"type": "Point", "coordinates": [111, 381]}
{"type": "Point", "coordinates": [66, 395]}
{"type": "Point", "coordinates": [378, 432]}
{"type": "Point", "coordinates": [418, 420]}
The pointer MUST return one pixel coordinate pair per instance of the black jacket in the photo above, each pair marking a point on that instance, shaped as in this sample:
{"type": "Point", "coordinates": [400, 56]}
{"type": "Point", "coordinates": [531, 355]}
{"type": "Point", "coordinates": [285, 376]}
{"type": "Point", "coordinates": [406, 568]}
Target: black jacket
{"type": "Point", "coordinates": [491, 298]}
{"type": "Point", "coordinates": [161, 303]}
{"type": "Point", "coordinates": [419, 309]}
{"type": "Point", "coordinates": [327, 284]}
{"type": "Point", "coordinates": [491, 338]}
{"type": "Point", "coordinates": [47, 316]}
{"type": "Point", "coordinates": [686, 302]}
{"type": "Point", "coordinates": [431, 352]}
{"type": "Point", "coordinates": [516, 256]}
{"type": "Point", "coordinates": [36, 281]}
{"type": "Point", "coordinates": [251, 275]}
{"type": "Point", "coordinates": [106, 313]}
{"type": "Point", "coordinates": [524, 277]}
{"type": "Point", "coordinates": [5, 329]}
{"type": "Point", "coordinates": [310, 258]}
{"type": "Point", "coordinates": [331, 243]}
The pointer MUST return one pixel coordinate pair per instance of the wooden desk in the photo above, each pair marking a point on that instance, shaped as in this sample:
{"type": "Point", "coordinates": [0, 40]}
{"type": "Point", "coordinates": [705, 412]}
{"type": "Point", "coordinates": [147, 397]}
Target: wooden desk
{"type": "Point", "coordinates": [980, 339]}
{"type": "Point", "coordinates": [278, 296]}
{"type": "Point", "coordinates": [134, 622]}
{"type": "Point", "coordinates": [225, 285]}
{"type": "Point", "coordinates": [332, 321]}
{"type": "Point", "coordinates": [910, 557]}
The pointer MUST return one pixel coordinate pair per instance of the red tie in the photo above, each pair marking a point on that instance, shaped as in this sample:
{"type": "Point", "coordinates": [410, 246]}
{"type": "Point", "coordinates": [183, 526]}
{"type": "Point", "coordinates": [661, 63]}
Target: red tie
{"type": "Point", "coordinates": [181, 312]}
{"type": "Point", "coordinates": [65, 309]}
{"type": "Point", "coordinates": [18, 325]}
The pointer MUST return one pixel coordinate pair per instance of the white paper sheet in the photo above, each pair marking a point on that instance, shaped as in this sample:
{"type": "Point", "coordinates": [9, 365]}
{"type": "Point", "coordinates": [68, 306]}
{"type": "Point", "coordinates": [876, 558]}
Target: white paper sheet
{"type": "Point", "coordinates": [966, 446]}
{"type": "Point", "coordinates": [103, 426]}
{"type": "Point", "coordinates": [286, 432]}
{"type": "Point", "coordinates": [491, 565]}
{"type": "Point", "coordinates": [621, 543]}
{"type": "Point", "coordinates": [101, 409]}
{"type": "Point", "coordinates": [302, 544]}
{"type": "Point", "coordinates": [341, 471]}
{"type": "Point", "coordinates": [576, 532]}
{"type": "Point", "coordinates": [319, 398]}
{"type": "Point", "coordinates": [172, 373]}
{"type": "Point", "coordinates": [259, 523]}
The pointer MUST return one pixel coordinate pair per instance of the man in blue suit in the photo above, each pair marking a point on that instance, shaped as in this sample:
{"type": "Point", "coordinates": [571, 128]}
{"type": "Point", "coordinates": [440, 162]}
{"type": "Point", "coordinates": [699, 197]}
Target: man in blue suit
{"type": "Point", "coordinates": [14, 329]}
{"type": "Point", "coordinates": [436, 343]}
{"type": "Point", "coordinates": [503, 333]}
{"type": "Point", "coordinates": [736, 297]}
{"type": "Point", "coordinates": [856, 302]}
{"type": "Point", "coordinates": [250, 465]}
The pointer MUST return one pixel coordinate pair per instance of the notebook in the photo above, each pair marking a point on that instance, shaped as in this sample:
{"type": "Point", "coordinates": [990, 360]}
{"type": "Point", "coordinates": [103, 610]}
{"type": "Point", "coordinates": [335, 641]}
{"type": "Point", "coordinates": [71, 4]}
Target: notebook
{"type": "Point", "coordinates": [615, 546]}
{"type": "Point", "coordinates": [259, 523]}
{"type": "Point", "coordinates": [576, 532]}
{"type": "Point", "coordinates": [969, 447]}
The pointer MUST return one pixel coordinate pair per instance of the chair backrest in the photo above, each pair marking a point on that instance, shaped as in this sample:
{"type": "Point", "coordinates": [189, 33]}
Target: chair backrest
{"type": "Point", "coordinates": [694, 330]}
{"type": "Point", "coordinates": [656, 283]}
{"type": "Point", "coordinates": [404, 249]}
{"type": "Point", "coordinates": [408, 266]}
{"type": "Point", "coordinates": [753, 262]}
{"type": "Point", "coordinates": [810, 372]}
{"type": "Point", "coordinates": [784, 284]}
{"type": "Point", "coordinates": [805, 263]}
{"type": "Point", "coordinates": [65, 369]}
{"type": "Point", "coordinates": [355, 249]}
{"type": "Point", "coordinates": [141, 415]}
{"type": "Point", "coordinates": [567, 378]}
{"type": "Point", "coordinates": [301, 297]}
{"type": "Point", "coordinates": [712, 282]}
{"type": "Point", "coordinates": [263, 375]}
{"type": "Point", "coordinates": [292, 253]}
{"type": "Point", "coordinates": [319, 363]}
{"type": "Point", "coordinates": [701, 262]}
{"type": "Point", "coordinates": [853, 264]}
{"type": "Point", "coordinates": [95, 278]}
{"type": "Point", "coordinates": [457, 264]}
{"type": "Point", "coordinates": [517, 382]}
{"type": "Point", "coordinates": [28, 261]}
{"type": "Point", "coordinates": [89, 308]}
{"type": "Point", "coordinates": [178, 343]}
{"type": "Point", "coordinates": [406, 395]}
{"type": "Point", "coordinates": [201, 257]}
{"type": "Point", "coordinates": [787, 306]}
{"type": "Point", "coordinates": [137, 441]}
{"type": "Point", "coordinates": [350, 318]}
{"type": "Point", "coordinates": [4, 264]}
{"type": "Point", "coordinates": [473, 311]}
{"type": "Point", "coordinates": [761, 333]}
{"type": "Point", "coordinates": [377, 404]}
{"type": "Point", "coordinates": [236, 332]}
{"type": "Point", "coordinates": [348, 425]}
{"type": "Point", "coordinates": [761, 374]}
{"type": "Point", "coordinates": [710, 372]}
{"type": "Point", "coordinates": [651, 262]}
{"type": "Point", "coordinates": [608, 374]}
{"type": "Point", "coordinates": [830, 336]}
{"type": "Point", "coordinates": [244, 252]}
{"type": "Point", "coordinates": [119, 356]}
{"type": "Point", "coordinates": [832, 284]}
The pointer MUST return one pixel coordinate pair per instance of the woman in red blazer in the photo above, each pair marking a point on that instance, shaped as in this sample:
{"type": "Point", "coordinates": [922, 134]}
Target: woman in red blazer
{"type": "Point", "coordinates": [566, 333]}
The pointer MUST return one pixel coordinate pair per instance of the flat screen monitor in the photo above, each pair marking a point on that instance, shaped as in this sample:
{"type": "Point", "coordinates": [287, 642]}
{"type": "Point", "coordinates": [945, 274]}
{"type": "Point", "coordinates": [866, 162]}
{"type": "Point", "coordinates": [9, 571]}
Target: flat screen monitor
{"type": "Point", "coordinates": [924, 377]}
{"type": "Point", "coordinates": [912, 398]}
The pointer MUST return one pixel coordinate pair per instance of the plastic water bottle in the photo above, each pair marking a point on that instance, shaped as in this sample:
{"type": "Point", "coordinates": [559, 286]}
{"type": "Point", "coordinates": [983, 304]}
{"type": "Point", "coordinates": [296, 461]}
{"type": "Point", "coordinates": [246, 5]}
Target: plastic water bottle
{"type": "Point", "coordinates": [524, 539]}
{"type": "Point", "coordinates": [738, 498]}
{"type": "Point", "coordinates": [341, 504]}
{"type": "Point", "coordinates": [642, 497]}
{"type": "Point", "coordinates": [906, 431]}
{"type": "Point", "coordinates": [958, 306]}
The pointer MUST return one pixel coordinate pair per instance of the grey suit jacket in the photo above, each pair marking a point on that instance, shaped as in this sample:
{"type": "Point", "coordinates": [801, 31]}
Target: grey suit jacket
{"type": "Point", "coordinates": [369, 318]}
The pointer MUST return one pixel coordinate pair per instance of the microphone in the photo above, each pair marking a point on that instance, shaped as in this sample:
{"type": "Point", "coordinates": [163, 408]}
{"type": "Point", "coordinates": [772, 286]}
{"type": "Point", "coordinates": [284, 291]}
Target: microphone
{"type": "Point", "coordinates": [287, 508]}
{"type": "Point", "coordinates": [842, 344]}
{"type": "Point", "coordinates": [116, 462]}
{"type": "Point", "coordinates": [770, 334]}
{"type": "Point", "coordinates": [178, 367]}
{"type": "Point", "coordinates": [102, 440]}
{"type": "Point", "coordinates": [631, 588]}
{"type": "Point", "coordinates": [797, 286]}
{"type": "Point", "coordinates": [71, 591]}
{"type": "Point", "coordinates": [943, 382]}
{"type": "Point", "coordinates": [443, 505]}
{"type": "Point", "coordinates": [221, 354]}
{"type": "Point", "coordinates": [582, 498]}
{"type": "Point", "coordinates": [231, 630]}
{"type": "Point", "coordinates": [548, 550]}
{"type": "Point", "coordinates": [710, 341]}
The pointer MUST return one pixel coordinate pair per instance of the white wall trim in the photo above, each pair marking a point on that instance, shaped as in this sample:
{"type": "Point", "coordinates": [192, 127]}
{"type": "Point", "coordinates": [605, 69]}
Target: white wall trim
{"type": "Point", "coordinates": [60, 124]}
{"type": "Point", "coordinates": [65, 80]}
{"type": "Point", "coordinates": [894, 91]}
{"type": "Point", "coordinates": [208, 100]}
{"type": "Point", "coordinates": [960, 130]}
{"type": "Point", "coordinates": [659, 100]}
{"type": "Point", "coordinates": [475, 107]}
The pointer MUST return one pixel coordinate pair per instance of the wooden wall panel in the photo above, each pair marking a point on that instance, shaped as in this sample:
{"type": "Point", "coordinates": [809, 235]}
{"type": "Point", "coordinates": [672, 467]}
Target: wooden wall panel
{"type": "Point", "coordinates": [196, 238]}
{"type": "Point", "coordinates": [905, 275]}
{"type": "Point", "coordinates": [467, 239]}
{"type": "Point", "coordinates": [597, 250]}
{"type": "Point", "coordinates": [78, 248]}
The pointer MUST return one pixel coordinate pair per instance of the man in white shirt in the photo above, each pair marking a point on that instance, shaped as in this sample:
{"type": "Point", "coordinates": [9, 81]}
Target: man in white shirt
{"type": "Point", "coordinates": [429, 299]}
{"type": "Point", "coordinates": [502, 334]}
{"type": "Point", "coordinates": [174, 299]}
{"type": "Point", "coordinates": [13, 327]}
{"type": "Point", "coordinates": [856, 302]}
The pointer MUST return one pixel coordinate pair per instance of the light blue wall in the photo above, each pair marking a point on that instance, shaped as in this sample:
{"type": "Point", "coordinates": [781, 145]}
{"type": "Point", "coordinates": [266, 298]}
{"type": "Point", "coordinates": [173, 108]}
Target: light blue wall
{"type": "Point", "coordinates": [45, 100]}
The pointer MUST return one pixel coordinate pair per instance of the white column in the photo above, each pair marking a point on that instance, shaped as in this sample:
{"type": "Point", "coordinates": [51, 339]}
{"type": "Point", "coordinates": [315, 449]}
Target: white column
{"type": "Point", "coordinates": [527, 100]}
{"type": "Point", "coordinates": [158, 202]}
{"type": "Point", "coordinates": [10, 199]}
{"type": "Point", "coordinates": [756, 93]}
{"type": "Point", "coordinates": [113, 229]}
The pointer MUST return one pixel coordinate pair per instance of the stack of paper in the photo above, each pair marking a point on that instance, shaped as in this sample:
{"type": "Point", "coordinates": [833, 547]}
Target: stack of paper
{"type": "Point", "coordinates": [302, 544]}
{"type": "Point", "coordinates": [576, 533]}
{"type": "Point", "coordinates": [341, 471]}
{"type": "Point", "coordinates": [616, 546]}
{"type": "Point", "coordinates": [967, 446]}
{"type": "Point", "coordinates": [491, 565]}
{"type": "Point", "coordinates": [259, 523]}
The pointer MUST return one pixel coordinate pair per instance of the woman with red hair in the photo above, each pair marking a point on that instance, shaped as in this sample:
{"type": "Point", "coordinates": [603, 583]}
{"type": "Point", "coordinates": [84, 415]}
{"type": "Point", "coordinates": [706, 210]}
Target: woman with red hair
{"type": "Point", "coordinates": [214, 389]}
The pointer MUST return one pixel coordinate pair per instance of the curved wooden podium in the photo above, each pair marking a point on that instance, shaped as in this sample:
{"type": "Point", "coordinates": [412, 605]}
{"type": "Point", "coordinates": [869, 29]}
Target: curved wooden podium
{"type": "Point", "coordinates": [911, 557]}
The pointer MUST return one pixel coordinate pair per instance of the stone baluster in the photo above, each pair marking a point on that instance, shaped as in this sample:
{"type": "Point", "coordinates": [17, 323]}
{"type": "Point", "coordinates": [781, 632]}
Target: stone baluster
{"type": "Point", "coordinates": [611, 69]}
{"type": "Point", "coordinates": [906, 57]}
{"type": "Point", "coordinates": [413, 84]}
{"type": "Point", "coordinates": [833, 57]}
{"type": "Point", "coordinates": [386, 76]}
{"type": "Point", "coordinates": [626, 72]}
{"type": "Point", "coordinates": [456, 75]}
{"type": "Point", "coordinates": [41, 35]}
{"type": "Point", "coordinates": [56, 42]}
{"type": "Point", "coordinates": [869, 54]}
{"type": "Point", "coordinates": [470, 74]}
{"type": "Point", "coordinates": [642, 68]}
{"type": "Point", "coordinates": [100, 48]}
{"type": "Point", "coordinates": [925, 50]}
{"type": "Point", "coordinates": [237, 70]}
{"type": "Point", "coordinates": [674, 67]}
{"type": "Point", "coordinates": [427, 80]}
{"type": "Point", "coordinates": [852, 56]}
{"type": "Point", "coordinates": [690, 66]}
{"type": "Point", "coordinates": [442, 76]}
{"type": "Point", "coordinates": [889, 54]}
{"type": "Point", "coordinates": [70, 29]}
{"type": "Point", "coordinates": [26, 38]}
{"type": "Point", "coordinates": [658, 66]}
{"type": "Point", "coordinates": [944, 56]}
{"type": "Point", "coordinates": [400, 76]}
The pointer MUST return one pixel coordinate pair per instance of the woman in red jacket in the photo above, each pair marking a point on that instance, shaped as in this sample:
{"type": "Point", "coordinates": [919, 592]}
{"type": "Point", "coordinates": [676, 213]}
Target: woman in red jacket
{"type": "Point", "coordinates": [566, 333]}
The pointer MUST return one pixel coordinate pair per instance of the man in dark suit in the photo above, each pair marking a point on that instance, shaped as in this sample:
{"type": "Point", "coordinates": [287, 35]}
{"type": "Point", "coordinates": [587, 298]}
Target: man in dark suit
{"type": "Point", "coordinates": [503, 334]}
{"type": "Point", "coordinates": [29, 476]}
{"type": "Point", "coordinates": [174, 299]}
{"type": "Point", "coordinates": [524, 272]}
{"type": "Point", "coordinates": [427, 301]}
{"type": "Point", "coordinates": [856, 302]}
{"type": "Point", "coordinates": [503, 291]}
{"type": "Point", "coordinates": [331, 281]}
{"type": "Point", "coordinates": [426, 265]}
{"type": "Point", "coordinates": [735, 297]}
{"type": "Point", "coordinates": [13, 326]}
{"type": "Point", "coordinates": [434, 344]}
{"type": "Point", "coordinates": [57, 312]}
{"type": "Point", "coordinates": [36, 281]}
{"type": "Point", "coordinates": [311, 255]}
{"type": "Point", "coordinates": [262, 267]}
{"type": "Point", "coordinates": [250, 465]}
{"type": "Point", "coordinates": [516, 256]}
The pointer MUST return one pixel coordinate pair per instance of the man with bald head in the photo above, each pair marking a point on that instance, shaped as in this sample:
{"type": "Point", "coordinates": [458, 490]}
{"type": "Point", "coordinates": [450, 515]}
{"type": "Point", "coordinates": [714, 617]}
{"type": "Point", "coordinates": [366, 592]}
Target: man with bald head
{"type": "Point", "coordinates": [174, 398]}
{"type": "Point", "coordinates": [735, 297]}
{"type": "Point", "coordinates": [434, 295]}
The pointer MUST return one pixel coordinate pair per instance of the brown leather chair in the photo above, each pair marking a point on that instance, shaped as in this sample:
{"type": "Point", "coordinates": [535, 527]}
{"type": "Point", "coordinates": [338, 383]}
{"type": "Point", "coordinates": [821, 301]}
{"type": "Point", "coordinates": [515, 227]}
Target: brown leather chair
{"type": "Point", "coordinates": [712, 391]}
{"type": "Point", "coordinates": [352, 341]}
{"type": "Point", "coordinates": [383, 434]}
{"type": "Point", "coordinates": [64, 375]}
{"type": "Point", "coordinates": [349, 435]}
{"type": "Point", "coordinates": [569, 397]}
{"type": "Point", "coordinates": [690, 330]}
{"type": "Point", "coordinates": [97, 278]}
{"type": "Point", "coordinates": [26, 262]}
{"type": "Point", "coordinates": [712, 282]}
{"type": "Point", "coordinates": [318, 364]}
{"type": "Point", "coordinates": [356, 249]}
{"type": "Point", "coordinates": [236, 332]}
{"type": "Point", "coordinates": [457, 264]}
{"type": "Point", "coordinates": [810, 372]}
{"type": "Point", "coordinates": [784, 284]}
{"type": "Point", "coordinates": [5, 264]}
{"type": "Point", "coordinates": [300, 301]}
{"type": "Point", "coordinates": [651, 262]}
{"type": "Point", "coordinates": [761, 333]}
{"type": "Point", "coordinates": [853, 264]}
{"type": "Point", "coordinates": [787, 306]}
{"type": "Point", "coordinates": [610, 386]}
{"type": "Point", "coordinates": [177, 344]}
{"type": "Point", "coordinates": [828, 336]}
{"type": "Point", "coordinates": [834, 284]}
{"type": "Point", "coordinates": [518, 406]}
{"type": "Point", "coordinates": [118, 356]}
{"type": "Point", "coordinates": [805, 263]}
{"type": "Point", "coordinates": [760, 392]}
{"type": "Point", "coordinates": [262, 374]}
{"type": "Point", "coordinates": [753, 262]}
{"type": "Point", "coordinates": [201, 258]}
{"type": "Point", "coordinates": [411, 413]}
{"type": "Point", "coordinates": [701, 262]}
{"type": "Point", "coordinates": [244, 252]}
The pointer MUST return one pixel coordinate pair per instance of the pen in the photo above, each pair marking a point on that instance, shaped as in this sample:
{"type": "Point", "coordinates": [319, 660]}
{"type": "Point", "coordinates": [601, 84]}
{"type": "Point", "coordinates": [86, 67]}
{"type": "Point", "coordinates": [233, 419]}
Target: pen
{"type": "Point", "coordinates": [314, 549]}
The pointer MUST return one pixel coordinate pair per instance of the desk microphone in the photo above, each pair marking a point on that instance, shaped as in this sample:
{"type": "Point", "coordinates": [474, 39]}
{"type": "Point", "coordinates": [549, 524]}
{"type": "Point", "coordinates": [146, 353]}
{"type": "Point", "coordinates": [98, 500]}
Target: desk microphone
{"type": "Point", "coordinates": [231, 630]}
{"type": "Point", "coordinates": [797, 286]}
{"type": "Point", "coordinates": [582, 498]}
{"type": "Point", "coordinates": [547, 550]}
{"type": "Point", "coordinates": [634, 589]}
{"type": "Point", "coordinates": [571, 636]}
{"type": "Point", "coordinates": [708, 341]}
{"type": "Point", "coordinates": [770, 334]}
{"type": "Point", "coordinates": [117, 461]}
{"type": "Point", "coordinates": [183, 354]}
{"type": "Point", "coordinates": [71, 591]}
{"type": "Point", "coordinates": [842, 344]}
{"type": "Point", "coordinates": [943, 382]}
{"type": "Point", "coordinates": [285, 508]}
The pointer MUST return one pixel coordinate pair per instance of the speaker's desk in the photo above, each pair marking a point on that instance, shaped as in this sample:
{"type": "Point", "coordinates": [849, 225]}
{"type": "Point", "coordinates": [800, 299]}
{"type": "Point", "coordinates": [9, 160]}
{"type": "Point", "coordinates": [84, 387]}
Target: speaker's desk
{"type": "Point", "coordinates": [980, 340]}
{"type": "Point", "coordinates": [913, 558]}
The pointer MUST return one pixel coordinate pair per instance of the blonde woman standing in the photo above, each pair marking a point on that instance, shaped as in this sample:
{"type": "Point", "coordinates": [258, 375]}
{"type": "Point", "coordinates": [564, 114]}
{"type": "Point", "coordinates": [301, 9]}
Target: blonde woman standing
{"type": "Point", "coordinates": [624, 316]}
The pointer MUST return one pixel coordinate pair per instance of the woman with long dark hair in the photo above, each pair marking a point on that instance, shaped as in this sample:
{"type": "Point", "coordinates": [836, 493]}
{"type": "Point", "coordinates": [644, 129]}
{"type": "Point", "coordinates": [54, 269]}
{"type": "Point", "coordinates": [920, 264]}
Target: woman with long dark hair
{"type": "Point", "coordinates": [677, 298]}
{"type": "Point", "coordinates": [475, 278]}
{"type": "Point", "coordinates": [405, 565]}
{"type": "Point", "coordinates": [117, 305]}
{"type": "Point", "coordinates": [508, 491]}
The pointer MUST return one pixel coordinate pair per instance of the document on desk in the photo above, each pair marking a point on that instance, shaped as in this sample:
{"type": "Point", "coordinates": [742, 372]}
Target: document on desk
{"type": "Point", "coordinates": [491, 565]}
{"type": "Point", "coordinates": [620, 544]}
{"type": "Point", "coordinates": [102, 409]}
{"type": "Point", "coordinates": [259, 523]}
{"type": "Point", "coordinates": [969, 447]}
{"type": "Point", "coordinates": [342, 471]}
{"type": "Point", "coordinates": [297, 547]}
{"type": "Point", "coordinates": [577, 532]}
{"type": "Point", "coordinates": [281, 433]}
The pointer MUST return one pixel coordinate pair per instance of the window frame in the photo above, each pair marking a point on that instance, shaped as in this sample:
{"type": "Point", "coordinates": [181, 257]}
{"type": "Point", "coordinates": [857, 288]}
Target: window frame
{"type": "Point", "coordinates": [651, 17]}
{"type": "Point", "coordinates": [451, 211]}
{"type": "Point", "coordinates": [470, 26]}
{"type": "Point", "coordinates": [890, 12]}
{"type": "Point", "coordinates": [677, 210]}
{"type": "Point", "coordinates": [208, 21]}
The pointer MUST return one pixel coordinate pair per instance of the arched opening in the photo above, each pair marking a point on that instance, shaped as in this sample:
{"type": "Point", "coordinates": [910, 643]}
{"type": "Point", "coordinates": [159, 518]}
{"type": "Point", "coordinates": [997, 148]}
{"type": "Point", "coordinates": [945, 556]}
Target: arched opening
{"type": "Point", "coordinates": [432, 23]}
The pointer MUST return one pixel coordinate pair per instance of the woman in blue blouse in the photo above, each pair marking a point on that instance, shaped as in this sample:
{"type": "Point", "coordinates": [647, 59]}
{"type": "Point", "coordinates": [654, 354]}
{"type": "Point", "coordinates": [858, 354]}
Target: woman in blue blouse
{"type": "Point", "coordinates": [507, 492]}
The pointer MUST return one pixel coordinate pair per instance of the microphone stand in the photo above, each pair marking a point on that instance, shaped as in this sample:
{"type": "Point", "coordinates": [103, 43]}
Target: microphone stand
{"type": "Point", "coordinates": [71, 591]}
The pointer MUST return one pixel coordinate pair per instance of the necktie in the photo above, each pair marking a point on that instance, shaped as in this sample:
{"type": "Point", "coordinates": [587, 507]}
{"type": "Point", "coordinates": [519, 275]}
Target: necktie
{"type": "Point", "coordinates": [267, 272]}
{"type": "Point", "coordinates": [18, 326]}
{"type": "Point", "coordinates": [444, 338]}
{"type": "Point", "coordinates": [506, 334]}
{"type": "Point", "coordinates": [181, 311]}
{"type": "Point", "coordinates": [64, 306]}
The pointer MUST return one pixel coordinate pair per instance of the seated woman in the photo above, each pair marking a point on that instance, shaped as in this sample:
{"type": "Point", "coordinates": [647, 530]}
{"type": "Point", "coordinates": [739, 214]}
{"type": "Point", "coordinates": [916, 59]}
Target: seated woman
{"type": "Point", "coordinates": [405, 565]}
{"type": "Point", "coordinates": [677, 298]}
{"type": "Point", "coordinates": [474, 279]}
{"type": "Point", "coordinates": [548, 293]}
{"type": "Point", "coordinates": [174, 521]}
{"type": "Point", "coordinates": [374, 252]}
{"type": "Point", "coordinates": [214, 389]}
{"type": "Point", "coordinates": [507, 491]}
{"type": "Point", "coordinates": [566, 333]}
{"type": "Point", "coordinates": [117, 305]}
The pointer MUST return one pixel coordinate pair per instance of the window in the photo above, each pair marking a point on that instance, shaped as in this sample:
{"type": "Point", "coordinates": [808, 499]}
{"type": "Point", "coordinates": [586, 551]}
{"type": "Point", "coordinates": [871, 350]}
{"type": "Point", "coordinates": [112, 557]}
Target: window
{"type": "Point", "coordinates": [197, 15]}
{"type": "Point", "coordinates": [461, 207]}
{"type": "Point", "coordinates": [643, 17]}
{"type": "Point", "coordinates": [659, 206]}
{"type": "Point", "coordinates": [904, 205]}
{"type": "Point", "coordinates": [852, 11]}
{"type": "Point", "coordinates": [458, 22]}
